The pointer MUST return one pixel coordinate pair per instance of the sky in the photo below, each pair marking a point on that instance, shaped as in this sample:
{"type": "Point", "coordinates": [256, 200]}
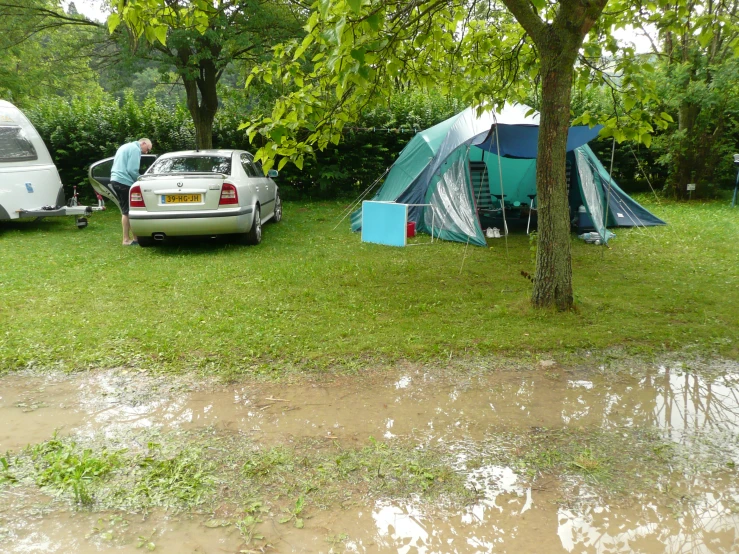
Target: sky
{"type": "Point", "coordinates": [92, 9]}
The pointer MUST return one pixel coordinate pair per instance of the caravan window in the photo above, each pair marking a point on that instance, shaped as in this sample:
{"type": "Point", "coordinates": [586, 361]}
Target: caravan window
{"type": "Point", "coordinates": [15, 146]}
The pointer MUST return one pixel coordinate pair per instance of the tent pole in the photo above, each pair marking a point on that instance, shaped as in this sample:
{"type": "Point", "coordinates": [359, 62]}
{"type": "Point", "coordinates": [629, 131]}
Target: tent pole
{"type": "Point", "coordinates": [502, 191]}
{"type": "Point", "coordinates": [608, 197]}
{"type": "Point", "coordinates": [361, 197]}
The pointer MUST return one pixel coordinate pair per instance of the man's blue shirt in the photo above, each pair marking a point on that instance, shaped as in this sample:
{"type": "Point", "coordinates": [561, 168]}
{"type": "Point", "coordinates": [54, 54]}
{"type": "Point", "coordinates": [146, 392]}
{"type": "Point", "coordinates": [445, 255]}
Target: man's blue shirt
{"type": "Point", "coordinates": [126, 164]}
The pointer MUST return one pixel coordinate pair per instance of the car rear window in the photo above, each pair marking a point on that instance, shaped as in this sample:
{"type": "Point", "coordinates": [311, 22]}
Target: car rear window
{"type": "Point", "coordinates": [15, 146]}
{"type": "Point", "coordinates": [192, 164]}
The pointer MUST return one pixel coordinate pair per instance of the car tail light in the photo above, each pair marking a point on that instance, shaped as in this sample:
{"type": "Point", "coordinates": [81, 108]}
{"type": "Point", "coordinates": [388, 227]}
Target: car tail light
{"type": "Point", "coordinates": [136, 200]}
{"type": "Point", "coordinates": [228, 194]}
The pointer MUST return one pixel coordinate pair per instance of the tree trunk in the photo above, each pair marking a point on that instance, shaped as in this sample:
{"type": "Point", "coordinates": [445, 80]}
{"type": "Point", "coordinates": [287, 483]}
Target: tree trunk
{"type": "Point", "coordinates": [202, 102]}
{"type": "Point", "coordinates": [558, 44]}
{"type": "Point", "coordinates": [683, 171]}
{"type": "Point", "coordinates": [553, 282]}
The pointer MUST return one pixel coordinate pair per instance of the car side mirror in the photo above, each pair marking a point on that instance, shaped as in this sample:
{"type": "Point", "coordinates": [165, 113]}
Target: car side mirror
{"type": "Point", "coordinates": [272, 173]}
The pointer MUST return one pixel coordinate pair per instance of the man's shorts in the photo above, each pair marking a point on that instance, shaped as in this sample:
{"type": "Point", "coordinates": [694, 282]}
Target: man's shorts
{"type": "Point", "coordinates": [121, 191]}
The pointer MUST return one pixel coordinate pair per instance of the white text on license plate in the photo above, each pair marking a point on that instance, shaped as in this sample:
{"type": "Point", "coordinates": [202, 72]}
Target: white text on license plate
{"type": "Point", "coordinates": [181, 198]}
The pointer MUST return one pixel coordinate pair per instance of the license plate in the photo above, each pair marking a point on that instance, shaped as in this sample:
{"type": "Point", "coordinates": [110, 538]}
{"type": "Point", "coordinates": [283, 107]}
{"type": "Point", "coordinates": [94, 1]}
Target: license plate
{"type": "Point", "coordinates": [181, 198]}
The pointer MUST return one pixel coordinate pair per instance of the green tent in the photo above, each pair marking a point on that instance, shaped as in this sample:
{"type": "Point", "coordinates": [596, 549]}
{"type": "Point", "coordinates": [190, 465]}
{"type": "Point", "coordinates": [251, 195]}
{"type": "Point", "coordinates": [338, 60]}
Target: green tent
{"type": "Point", "coordinates": [473, 171]}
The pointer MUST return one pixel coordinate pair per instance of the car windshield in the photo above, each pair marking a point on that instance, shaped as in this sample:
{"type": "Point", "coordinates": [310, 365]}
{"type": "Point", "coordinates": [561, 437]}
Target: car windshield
{"type": "Point", "coordinates": [15, 146]}
{"type": "Point", "coordinates": [192, 164]}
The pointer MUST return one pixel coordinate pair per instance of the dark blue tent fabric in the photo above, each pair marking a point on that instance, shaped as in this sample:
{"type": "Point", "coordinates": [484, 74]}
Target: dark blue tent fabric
{"type": "Point", "coordinates": [521, 141]}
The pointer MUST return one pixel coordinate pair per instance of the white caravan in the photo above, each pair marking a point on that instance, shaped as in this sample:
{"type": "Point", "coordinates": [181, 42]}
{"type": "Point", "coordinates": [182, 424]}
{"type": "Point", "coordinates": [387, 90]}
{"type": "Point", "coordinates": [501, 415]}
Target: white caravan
{"type": "Point", "coordinates": [30, 186]}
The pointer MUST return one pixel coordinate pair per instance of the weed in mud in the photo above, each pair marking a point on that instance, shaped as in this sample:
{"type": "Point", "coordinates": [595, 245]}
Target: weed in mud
{"type": "Point", "coordinates": [336, 542]}
{"type": "Point", "coordinates": [616, 461]}
{"type": "Point", "coordinates": [591, 465]}
{"type": "Point", "coordinates": [261, 464]}
{"type": "Point", "coordinates": [181, 481]}
{"type": "Point", "coordinates": [311, 474]}
{"type": "Point", "coordinates": [204, 467]}
{"type": "Point", "coordinates": [5, 475]}
{"type": "Point", "coordinates": [292, 513]}
{"type": "Point", "coordinates": [143, 541]}
{"type": "Point", "coordinates": [248, 524]}
{"type": "Point", "coordinates": [64, 467]}
{"type": "Point", "coordinates": [113, 530]}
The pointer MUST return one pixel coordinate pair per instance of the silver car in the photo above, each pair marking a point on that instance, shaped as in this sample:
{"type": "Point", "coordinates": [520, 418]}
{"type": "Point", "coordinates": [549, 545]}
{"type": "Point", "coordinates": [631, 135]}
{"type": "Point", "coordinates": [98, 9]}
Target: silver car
{"type": "Point", "coordinates": [205, 192]}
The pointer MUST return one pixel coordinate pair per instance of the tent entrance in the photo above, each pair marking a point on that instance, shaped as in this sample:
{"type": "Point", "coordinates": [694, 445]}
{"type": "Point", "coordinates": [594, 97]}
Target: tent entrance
{"type": "Point", "coordinates": [515, 192]}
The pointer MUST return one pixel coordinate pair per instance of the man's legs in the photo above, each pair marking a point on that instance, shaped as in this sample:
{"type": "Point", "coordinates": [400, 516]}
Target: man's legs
{"type": "Point", "coordinates": [122, 192]}
{"type": "Point", "coordinates": [126, 224]}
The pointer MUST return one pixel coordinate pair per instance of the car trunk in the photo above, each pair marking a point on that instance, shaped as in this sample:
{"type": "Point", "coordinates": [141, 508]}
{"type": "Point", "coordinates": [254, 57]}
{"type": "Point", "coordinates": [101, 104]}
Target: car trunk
{"type": "Point", "coordinates": [181, 192]}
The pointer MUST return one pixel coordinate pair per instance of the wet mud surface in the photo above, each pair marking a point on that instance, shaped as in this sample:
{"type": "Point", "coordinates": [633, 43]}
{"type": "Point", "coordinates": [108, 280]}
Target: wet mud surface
{"type": "Point", "coordinates": [689, 511]}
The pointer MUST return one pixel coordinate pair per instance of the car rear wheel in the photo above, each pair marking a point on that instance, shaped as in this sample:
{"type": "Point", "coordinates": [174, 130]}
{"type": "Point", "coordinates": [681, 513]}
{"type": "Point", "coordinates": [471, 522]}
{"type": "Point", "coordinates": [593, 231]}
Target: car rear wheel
{"type": "Point", "coordinates": [145, 241]}
{"type": "Point", "coordinates": [254, 235]}
{"type": "Point", "coordinates": [278, 209]}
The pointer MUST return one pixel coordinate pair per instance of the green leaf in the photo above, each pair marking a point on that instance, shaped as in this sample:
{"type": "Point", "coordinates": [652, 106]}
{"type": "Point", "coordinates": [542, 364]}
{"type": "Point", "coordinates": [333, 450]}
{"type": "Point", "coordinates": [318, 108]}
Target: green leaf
{"type": "Point", "coordinates": [646, 139]}
{"type": "Point", "coordinates": [705, 38]}
{"type": "Point", "coordinates": [629, 102]}
{"type": "Point", "coordinates": [298, 523]}
{"type": "Point", "coordinates": [277, 133]}
{"type": "Point", "coordinates": [358, 54]}
{"type": "Point", "coordinates": [280, 165]}
{"type": "Point", "coordinates": [667, 117]}
{"type": "Point", "coordinates": [374, 21]}
{"type": "Point", "coordinates": [113, 21]}
{"type": "Point", "coordinates": [355, 5]}
{"type": "Point", "coordinates": [539, 4]}
{"type": "Point", "coordinates": [161, 34]}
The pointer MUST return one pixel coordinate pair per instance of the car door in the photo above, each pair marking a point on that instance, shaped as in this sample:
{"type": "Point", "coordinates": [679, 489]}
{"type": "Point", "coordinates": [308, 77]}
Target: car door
{"type": "Point", "coordinates": [259, 183]}
{"type": "Point", "coordinates": [99, 175]}
{"type": "Point", "coordinates": [269, 186]}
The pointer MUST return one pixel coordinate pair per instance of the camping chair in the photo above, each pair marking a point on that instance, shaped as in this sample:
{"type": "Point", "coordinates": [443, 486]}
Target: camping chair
{"type": "Point", "coordinates": [531, 209]}
{"type": "Point", "coordinates": [501, 199]}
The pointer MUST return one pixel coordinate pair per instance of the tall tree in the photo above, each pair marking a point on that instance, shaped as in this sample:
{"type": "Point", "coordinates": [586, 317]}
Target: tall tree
{"type": "Point", "coordinates": [698, 72]}
{"type": "Point", "coordinates": [558, 43]}
{"type": "Point", "coordinates": [44, 50]}
{"type": "Point", "coordinates": [201, 40]}
{"type": "Point", "coordinates": [358, 48]}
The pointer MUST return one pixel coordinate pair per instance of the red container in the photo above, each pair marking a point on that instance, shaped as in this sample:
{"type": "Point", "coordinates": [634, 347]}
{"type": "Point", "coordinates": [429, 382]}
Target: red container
{"type": "Point", "coordinates": [410, 229]}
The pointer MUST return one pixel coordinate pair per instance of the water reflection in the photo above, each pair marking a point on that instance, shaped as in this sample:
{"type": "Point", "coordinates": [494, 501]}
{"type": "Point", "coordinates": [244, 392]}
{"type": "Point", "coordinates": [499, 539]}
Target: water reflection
{"type": "Point", "coordinates": [678, 403]}
{"type": "Point", "coordinates": [527, 524]}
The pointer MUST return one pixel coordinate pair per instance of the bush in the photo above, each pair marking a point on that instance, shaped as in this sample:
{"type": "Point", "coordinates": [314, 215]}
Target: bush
{"type": "Point", "coordinates": [80, 131]}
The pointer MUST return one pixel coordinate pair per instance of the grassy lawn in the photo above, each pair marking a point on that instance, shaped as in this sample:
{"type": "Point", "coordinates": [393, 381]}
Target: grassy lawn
{"type": "Point", "coordinates": [314, 297]}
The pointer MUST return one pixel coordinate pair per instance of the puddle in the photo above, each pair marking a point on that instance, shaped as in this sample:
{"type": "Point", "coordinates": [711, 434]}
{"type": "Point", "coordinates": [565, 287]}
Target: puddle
{"type": "Point", "coordinates": [415, 405]}
{"type": "Point", "coordinates": [511, 516]}
{"type": "Point", "coordinates": [85, 533]}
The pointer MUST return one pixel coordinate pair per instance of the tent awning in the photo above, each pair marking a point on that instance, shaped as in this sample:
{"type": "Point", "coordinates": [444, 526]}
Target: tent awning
{"type": "Point", "coordinates": [521, 141]}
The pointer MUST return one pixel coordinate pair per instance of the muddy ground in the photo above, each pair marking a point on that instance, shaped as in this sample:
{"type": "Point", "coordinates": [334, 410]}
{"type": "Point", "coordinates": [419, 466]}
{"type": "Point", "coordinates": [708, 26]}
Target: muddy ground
{"type": "Point", "coordinates": [635, 458]}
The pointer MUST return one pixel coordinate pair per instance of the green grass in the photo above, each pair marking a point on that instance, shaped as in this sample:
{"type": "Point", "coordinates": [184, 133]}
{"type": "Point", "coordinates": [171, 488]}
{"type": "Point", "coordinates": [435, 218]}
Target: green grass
{"type": "Point", "coordinates": [314, 297]}
{"type": "Point", "coordinates": [206, 471]}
